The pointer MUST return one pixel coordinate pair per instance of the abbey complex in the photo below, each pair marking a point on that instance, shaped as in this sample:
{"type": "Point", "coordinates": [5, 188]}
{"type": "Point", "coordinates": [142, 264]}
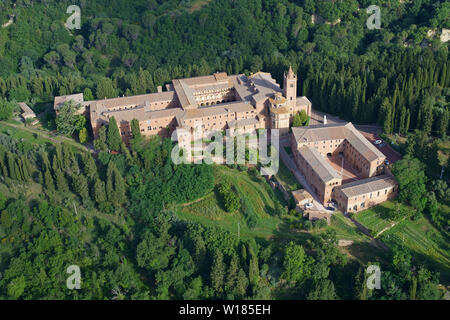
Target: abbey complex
{"type": "Point", "coordinates": [221, 101]}
{"type": "Point", "coordinates": [218, 101]}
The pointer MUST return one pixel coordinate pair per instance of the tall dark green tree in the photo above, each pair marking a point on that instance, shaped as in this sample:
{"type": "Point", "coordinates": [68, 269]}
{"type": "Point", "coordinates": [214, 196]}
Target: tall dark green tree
{"type": "Point", "coordinates": [113, 139]}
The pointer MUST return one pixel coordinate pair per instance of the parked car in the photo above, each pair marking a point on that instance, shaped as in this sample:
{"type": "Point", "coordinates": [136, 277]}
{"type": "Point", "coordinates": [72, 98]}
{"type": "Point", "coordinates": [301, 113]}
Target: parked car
{"type": "Point", "coordinates": [308, 205]}
{"type": "Point", "coordinates": [331, 208]}
{"type": "Point", "coordinates": [386, 162]}
{"type": "Point", "coordinates": [377, 142]}
{"type": "Point", "coordinates": [382, 145]}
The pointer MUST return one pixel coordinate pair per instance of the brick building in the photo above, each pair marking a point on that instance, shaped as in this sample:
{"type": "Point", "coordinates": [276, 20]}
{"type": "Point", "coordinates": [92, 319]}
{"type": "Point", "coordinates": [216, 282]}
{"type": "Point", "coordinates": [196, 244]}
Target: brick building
{"type": "Point", "coordinates": [362, 194]}
{"type": "Point", "coordinates": [217, 101]}
{"type": "Point", "coordinates": [313, 146]}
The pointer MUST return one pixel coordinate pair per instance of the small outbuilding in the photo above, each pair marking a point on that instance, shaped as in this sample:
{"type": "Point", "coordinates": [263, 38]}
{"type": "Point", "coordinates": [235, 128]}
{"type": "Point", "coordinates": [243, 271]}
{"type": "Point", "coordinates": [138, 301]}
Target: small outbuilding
{"type": "Point", "coordinates": [313, 215]}
{"type": "Point", "coordinates": [301, 198]}
{"type": "Point", "coordinates": [27, 113]}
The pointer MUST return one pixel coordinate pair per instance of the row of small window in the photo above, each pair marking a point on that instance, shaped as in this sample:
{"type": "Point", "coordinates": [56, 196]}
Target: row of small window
{"type": "Point", "coordinates": [227, 90]}
{"type": "Point", "coordinates": [355, 207]}
{"type": "Point", "coordinates": [378, 194]}
{"type": "Point", "coordinates": [161, 103]}
{"type": "Point", "coordinates": [150, 128]}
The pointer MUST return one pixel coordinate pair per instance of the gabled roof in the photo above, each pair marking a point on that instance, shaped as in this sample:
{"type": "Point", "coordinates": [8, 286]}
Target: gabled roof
{"type": "Point", "coordinates": [365, 186]}
{"type": "Point", "coordinates": [78, 98]}
{"type": "Point", "coordinates": [303, 101]}
{"type": "Point", "coordinates": [301, 194]}
{"type": "Point", "coordinates": [256, 87]}
{"type": "Point", "coordinates": [338, 131]}
{"type": "Point", "coordinates": [187, 87]}
{"type": "Point", "coordinates": [140, 113]}
{"type": "Point", "coordinates": [242, 123]}
{"type": "Point", "coordinates": [321, 167]}
{"type": "Point", "coordinates": [221, 109]}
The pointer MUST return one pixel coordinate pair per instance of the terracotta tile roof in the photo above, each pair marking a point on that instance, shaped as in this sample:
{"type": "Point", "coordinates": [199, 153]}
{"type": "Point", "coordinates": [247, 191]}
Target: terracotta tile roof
{"type": "Point", "coordinates": [135, 106]}
{"type": "Point", "coordinates": [215, 78]}
{"type": "Point", "coordinates": [78, 98]}
{"type": "Point", "coordinates": [302, 101]}
{"type": "Point", "coordinates": [136, 100]}
{"type": "Point", "coordinates": [26, 111]}
{"type": "Point", "coordinates": [256, 87]}
{"type": "Point", "coordinates": [301, 195]}
{"type": "Point", "coordinates": [185, 94]}
{"type": "Point", "coordinates": [186, 88]}
{"type": "Point", "coordinates": [139, 113]}
{"type": "Point", "coordinates": [320, 165]}
{"type": "Point", "coordinates": [222, 109]}
{"type": "Point", "coordinates": [338, 131]}
{"type": "Point", "coordinates": [365, 186]}
{"type": "Point", "coordinates": [265, 86]}
{"type": "Point", "coordinates": [280, 110]}
{"type": "Point", "coordinates": [242, 123]}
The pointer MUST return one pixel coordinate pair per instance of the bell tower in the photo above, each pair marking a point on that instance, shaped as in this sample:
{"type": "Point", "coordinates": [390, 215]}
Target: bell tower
{"type": "Point", "coordinates": [290, 90]}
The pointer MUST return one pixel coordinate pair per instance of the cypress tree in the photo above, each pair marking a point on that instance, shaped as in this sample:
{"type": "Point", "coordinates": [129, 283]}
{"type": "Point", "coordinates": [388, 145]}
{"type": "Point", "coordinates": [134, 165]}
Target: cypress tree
{"type": "Point", "coordinates": [4, 168]}
{"type": "Point", "coordinates": [135, 130]}
{"type": "Point", "coordinates": [115, 185]}
{"type": "Point", "coordinates": [119, 188]}
{"type": "Point", "coordinates": [21, 175]}
{"type": "Point", "coordinates": [253, 269]}
{"type": "Point", "coordinates": [232, 274]}
{"type": "Point", "coordinates": [61, 182]}
{"type": "Point", "coordinates": [217, 272]}
{"type": "Point", "coordinates": [11, 166]}
{"type": "Point", "coordinates": [407, 121]}
{"type": "Point", "coordinates": [26, 167]}
{"type": "Point", "coordinates": [99, 191]}
{"type": "Point", "coordinates": [442, 123]}
{"type": "Point", "coordinates": [386, 114]}
{"type": "Point", "coordinates": [89, 167]}
{"type": "Point", "coordinates": [80, 186]}
{"type": "Point", "coordinates": [113, 136]}
{"type": "Point", "coordinates": [48, 179]}
{"type": "Point", "coordinates": [100, 142]}
{"type": "Point", "coordinates": [402, 121]}
{"type": "Point", "coordinates": [241, 284]}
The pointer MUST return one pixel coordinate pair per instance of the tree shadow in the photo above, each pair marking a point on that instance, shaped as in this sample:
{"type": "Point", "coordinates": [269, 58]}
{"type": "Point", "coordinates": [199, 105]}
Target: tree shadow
{"type": "Point", "coordinates": [366, 252]}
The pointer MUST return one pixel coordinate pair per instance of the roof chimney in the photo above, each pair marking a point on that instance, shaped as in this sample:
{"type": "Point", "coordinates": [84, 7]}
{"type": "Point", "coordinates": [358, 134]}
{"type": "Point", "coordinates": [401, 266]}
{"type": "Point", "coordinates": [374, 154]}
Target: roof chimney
{"type": "Point", "coordinates": [324, 119]}
{"type": "Point", "coordinates": [147, 106]}
{"type": "Point", "coordinates": [159, 89]}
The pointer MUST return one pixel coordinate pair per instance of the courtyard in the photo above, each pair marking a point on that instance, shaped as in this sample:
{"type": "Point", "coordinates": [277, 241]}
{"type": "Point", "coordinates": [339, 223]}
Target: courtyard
{"type": "Point", "coordinates": [343, 167]}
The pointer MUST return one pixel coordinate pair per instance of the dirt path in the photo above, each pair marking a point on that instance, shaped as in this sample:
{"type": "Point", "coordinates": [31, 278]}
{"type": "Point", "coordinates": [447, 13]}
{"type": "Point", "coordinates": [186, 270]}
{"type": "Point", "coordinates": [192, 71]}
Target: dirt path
{"type": "Point", "coordinates": [195, 201]}
{"type": "Point", "coordinates": [10, 22]}
{"type": "Point", "coordinates": [389, 227]}
{"type": "Point", "coordinates": [45, 135]}
{"type": "Point", "coordinates": [376, 242]}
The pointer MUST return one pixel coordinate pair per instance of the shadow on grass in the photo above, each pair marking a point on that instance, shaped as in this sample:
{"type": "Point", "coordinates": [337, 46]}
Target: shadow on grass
{"type": "Point", "coordinates": [285, 234]}
{"type": "Point", "coordinates": [366, 252]}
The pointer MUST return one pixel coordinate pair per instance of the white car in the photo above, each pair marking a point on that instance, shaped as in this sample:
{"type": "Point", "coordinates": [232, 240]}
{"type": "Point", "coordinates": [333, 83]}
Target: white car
{"type": "Point", "coordinates": [308, 205]}
{"type": "Point", "coordinates": [377, 142]}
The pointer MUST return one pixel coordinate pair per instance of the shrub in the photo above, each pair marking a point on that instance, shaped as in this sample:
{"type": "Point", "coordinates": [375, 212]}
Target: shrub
{"type": "Point", "coordinates": [230, 200]}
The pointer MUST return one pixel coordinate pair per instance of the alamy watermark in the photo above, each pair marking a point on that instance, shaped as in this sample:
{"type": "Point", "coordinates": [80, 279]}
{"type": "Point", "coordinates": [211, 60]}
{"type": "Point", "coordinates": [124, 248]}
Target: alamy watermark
{"type": "Point", "coordinates": [374, 21]}
{"type": "Point", "coordinates": [74, 21]}
{"type": "Point", "coordinates": [235, 147]}
{"type": "Point", "coordinates": [374, 280]}
{"type": "Point", "coordinates": [74, 280]}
